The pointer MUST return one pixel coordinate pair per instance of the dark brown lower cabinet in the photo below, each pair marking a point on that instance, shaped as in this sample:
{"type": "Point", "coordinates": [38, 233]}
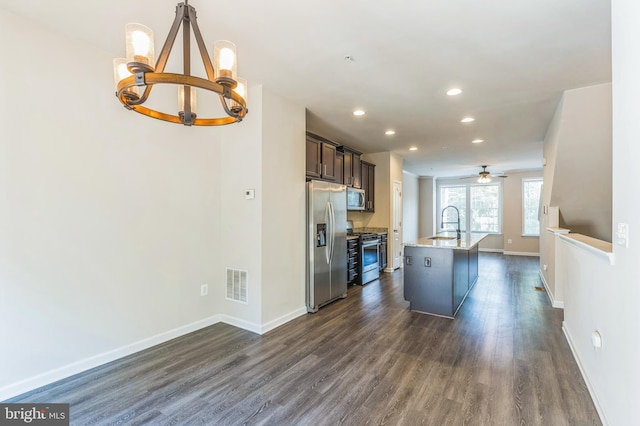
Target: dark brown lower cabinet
{"type": "Point", "coordinates": [352, 260]}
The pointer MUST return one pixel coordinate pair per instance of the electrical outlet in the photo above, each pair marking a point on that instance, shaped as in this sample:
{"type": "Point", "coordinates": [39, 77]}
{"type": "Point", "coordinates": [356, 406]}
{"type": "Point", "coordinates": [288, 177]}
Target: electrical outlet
{"type": "Point", "coordinates": [544, 267]}
{"type": "Point", "coordinates": [509, 241]}
{"type": "Point", "coordinates": [427, 262]}
{"type": "Point", "coordinates": [204, 289]}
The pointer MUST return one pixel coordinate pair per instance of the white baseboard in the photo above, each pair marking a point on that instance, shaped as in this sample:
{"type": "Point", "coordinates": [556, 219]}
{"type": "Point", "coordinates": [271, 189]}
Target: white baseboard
{"type": "Point", "coordinates": [270, 325]}
{"type": "Point", "coordinates": [79, 366]}
{"type": "Point", "coordinates": [240, 323]}
{"type": "Point", "coordinates": [555, 303]}
{"type": "Point", "coordinates": [520, 253]}
{"type": "Point", "coordinates": [490, 250]}
{"type": "Point", "coordinates": [594, 397]}
{"type": "Point", "coordinates": [26, 385]}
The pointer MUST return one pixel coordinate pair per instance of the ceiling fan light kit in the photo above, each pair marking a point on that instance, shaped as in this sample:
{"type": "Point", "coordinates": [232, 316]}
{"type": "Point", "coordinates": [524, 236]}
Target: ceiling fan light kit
{"type": "Point", "coordinates": [484, 175]}
{"type": "Point", "coordinates": [136, 75]}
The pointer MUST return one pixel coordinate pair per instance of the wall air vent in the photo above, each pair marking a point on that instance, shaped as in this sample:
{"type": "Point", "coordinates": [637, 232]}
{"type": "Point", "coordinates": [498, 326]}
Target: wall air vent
{"type": "Point", "coordinates": [237, 285]}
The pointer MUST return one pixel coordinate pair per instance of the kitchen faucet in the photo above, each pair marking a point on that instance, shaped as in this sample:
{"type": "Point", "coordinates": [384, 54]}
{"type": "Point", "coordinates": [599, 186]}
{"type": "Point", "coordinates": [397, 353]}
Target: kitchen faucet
{"type": "Point", "coordinates": [442, 222]}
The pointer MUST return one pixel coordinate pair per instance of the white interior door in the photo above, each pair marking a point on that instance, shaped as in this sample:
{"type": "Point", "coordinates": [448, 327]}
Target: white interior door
{"type": "Point", "coordinates": [397, 225]}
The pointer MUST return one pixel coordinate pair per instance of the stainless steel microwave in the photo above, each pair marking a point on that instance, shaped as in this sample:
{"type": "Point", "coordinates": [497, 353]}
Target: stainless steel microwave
{"type": "Point", "coordinates": [355, 199]}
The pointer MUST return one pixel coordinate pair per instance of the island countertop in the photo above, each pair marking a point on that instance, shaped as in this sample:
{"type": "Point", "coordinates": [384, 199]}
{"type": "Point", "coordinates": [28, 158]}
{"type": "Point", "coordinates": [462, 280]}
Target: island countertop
{"type": "Point", "coordinates": [466, 242]}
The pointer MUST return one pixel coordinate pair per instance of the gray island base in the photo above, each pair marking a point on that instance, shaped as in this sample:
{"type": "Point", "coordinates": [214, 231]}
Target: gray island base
{"type": "Point", "coordinates": [439, 272]}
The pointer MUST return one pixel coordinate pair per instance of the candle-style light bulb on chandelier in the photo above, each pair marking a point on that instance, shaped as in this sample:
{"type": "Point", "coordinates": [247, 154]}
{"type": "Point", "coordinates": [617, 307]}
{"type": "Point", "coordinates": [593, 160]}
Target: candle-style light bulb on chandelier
{"type": "Point", "coordinates": [136, 75]}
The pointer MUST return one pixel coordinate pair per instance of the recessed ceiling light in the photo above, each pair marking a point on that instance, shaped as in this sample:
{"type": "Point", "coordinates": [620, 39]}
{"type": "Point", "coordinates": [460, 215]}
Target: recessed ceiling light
{"type": "Point", "coordinates": [390, 132]}
{"type": "Point", "coordinates": [358, 112]}
{"type": "Point", "coordinates": [453, 92]}
{"type": "Point", "coordinates": [467, 120]}
{"type": "Point", "coordinates": [477, 141]}
{"type": "Point", "coordinates": [413, 148]}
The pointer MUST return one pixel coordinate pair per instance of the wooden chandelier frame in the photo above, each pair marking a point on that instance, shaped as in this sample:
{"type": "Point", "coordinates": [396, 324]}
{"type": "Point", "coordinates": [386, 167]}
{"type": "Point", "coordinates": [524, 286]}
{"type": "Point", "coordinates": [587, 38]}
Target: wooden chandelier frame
{"type": "Point", "coordinates": [144, 75]}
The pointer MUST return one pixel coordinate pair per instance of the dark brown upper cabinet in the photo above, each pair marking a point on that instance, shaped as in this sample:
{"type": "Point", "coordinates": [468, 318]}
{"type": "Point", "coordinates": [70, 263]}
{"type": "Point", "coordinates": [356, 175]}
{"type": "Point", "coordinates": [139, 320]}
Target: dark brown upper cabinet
{"type": "Point", "coordinates": [321, 158]}
{"type": "Point", "coordinates": [369, 186]}
{"type": "Point", "coordinates": [352, 174]}
{"type": "Point", "coordinates": [339, 167]}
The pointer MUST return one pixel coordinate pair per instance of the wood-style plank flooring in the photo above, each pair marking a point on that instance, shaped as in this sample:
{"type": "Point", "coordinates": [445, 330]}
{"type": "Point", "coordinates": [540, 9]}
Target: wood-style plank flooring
{"type": "Point", "coordinates": [363, 360]}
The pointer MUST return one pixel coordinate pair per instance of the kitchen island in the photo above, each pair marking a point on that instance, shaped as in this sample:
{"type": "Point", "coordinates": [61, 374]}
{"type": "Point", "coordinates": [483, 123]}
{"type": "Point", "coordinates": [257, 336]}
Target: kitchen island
{"type": "Point", "coordinates": [439, 272]}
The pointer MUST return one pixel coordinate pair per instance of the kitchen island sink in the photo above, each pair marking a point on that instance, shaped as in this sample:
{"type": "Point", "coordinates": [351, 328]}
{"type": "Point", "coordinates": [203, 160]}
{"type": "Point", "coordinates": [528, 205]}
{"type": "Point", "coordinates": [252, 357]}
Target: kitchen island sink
{"type": "Point", "coordinates": [439, 272]}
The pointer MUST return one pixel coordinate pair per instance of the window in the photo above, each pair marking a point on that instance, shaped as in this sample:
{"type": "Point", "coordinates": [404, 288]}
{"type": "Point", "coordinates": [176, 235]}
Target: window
{"type": "Point", "coordinates": [531, 192]}
{"type": "Point", "coordinates": [453, 196]}
{"type": "Point", "coordinates": [485, 208]}
{"type": "Point", "coordinates": [483, 201]}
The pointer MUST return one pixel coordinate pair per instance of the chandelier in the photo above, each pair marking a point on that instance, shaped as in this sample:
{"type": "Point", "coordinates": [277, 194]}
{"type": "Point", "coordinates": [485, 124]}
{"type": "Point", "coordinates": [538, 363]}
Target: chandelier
{"type": "Point", "coordinates": [136, 75]}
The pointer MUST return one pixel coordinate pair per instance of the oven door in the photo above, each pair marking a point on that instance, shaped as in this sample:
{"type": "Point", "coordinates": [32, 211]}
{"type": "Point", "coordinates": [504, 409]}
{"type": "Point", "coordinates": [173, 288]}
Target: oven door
{"type": "Point", "coordinates": [370, 252]}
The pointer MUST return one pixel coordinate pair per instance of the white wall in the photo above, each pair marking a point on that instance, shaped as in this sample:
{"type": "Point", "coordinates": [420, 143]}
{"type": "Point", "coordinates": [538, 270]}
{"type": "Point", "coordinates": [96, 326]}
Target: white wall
{"type": "Point", "coordinates": [581, 273]}
{"type": "Point", "coordinates": [602, 297]}
{"type": "Point", "coordinates": [241, 225]}
{"type": "Point", "coordinates": [577, 143]}
{"type": "Point", "coordinates": [582, 180]}
{"type": "Point", "coordinates": [410, 207]}
{"type": "Point", "coordinates": [621, 381]}
{"type": "Point", "coordinates": [112, 221]}
{"type": "Point", "coordinates": [283, 211]}
{"type": "Point", "coordinates": [427, 207]}
{"type": "Point", "coordinates": [547, 240]}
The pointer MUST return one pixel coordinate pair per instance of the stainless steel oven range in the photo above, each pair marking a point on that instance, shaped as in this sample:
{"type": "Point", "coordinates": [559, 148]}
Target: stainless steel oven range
{"type": "Point", "coordinates": [369, 253]}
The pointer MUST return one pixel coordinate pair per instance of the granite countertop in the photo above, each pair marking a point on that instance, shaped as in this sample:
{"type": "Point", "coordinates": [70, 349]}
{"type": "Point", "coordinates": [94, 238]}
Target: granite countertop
{"type": "Point", "coordinates": [370, 230]}
{"type": "Point", "coordinates": [466, 242]}
{"type": "Point", "coordinates": [352, 237]}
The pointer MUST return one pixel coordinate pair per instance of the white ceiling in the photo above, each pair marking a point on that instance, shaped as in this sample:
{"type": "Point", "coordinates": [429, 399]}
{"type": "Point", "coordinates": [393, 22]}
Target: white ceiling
{"type": "Point", "coordinates": [512, 58]}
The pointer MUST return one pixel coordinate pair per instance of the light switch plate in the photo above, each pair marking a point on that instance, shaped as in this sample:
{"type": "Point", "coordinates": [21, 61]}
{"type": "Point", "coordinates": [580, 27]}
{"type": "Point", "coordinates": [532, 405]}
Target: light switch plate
{"type": "Point", "coordinates": [622, 235]}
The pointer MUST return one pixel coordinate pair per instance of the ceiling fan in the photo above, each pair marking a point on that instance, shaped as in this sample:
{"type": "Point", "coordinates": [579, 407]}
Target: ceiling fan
{"type": "Point", "coordinates": [485, 176]}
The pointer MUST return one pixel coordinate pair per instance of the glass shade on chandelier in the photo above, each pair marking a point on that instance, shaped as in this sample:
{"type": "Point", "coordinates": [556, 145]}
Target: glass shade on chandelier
{"type": "Point", "coordinates": [484, 179]}
{"type": "Point", "coordinates": [140, 50]}
{"type": "Point", "coordinates": [192, 101]}
{"type": "Point", "coordinates": [136, 75]}
{"type": "Point", "coordinates": [224, 61]}
{"type": "Point", "coordinates": [120, 72]}
{"type": "Point", "coordinates": [241, 90]}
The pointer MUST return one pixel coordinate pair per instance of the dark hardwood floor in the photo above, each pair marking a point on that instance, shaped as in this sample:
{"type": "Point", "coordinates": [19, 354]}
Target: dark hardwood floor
{"type": "Point", "coordinates": [363, 360]}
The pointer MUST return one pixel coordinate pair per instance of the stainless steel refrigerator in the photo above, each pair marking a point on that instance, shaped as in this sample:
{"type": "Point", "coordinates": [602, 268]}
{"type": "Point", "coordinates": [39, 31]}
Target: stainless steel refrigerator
{"type": "Point", "coordinates": [326, 243]}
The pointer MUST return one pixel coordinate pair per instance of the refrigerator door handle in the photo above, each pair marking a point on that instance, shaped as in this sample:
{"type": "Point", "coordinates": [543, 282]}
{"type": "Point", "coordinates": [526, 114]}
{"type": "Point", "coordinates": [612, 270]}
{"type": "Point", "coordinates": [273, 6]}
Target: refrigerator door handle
{"type": "Point", "coordinates": [327, 247]}
{"type": "Point", "coordinates": [332, 230]}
